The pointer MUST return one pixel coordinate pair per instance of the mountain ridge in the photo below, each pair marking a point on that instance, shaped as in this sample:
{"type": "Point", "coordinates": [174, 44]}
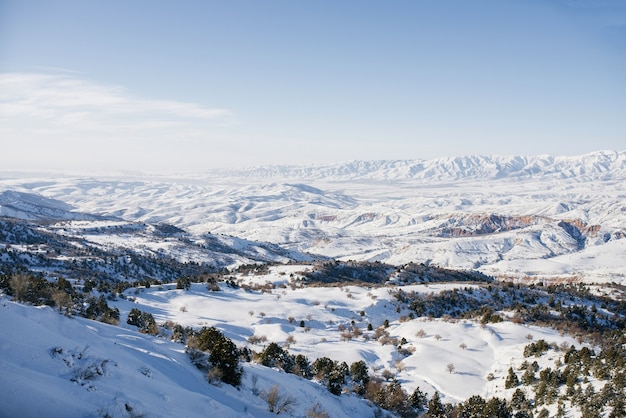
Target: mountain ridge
{"type": "Point", "coordinates": [589, 166]}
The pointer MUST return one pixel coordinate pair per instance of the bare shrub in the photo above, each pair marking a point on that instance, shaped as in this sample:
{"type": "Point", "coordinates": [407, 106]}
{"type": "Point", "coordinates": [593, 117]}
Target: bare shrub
{"type": "Point", "coordinates": [278, 402]}
{"type": "Point", "coordinates": [387, 374]}
{"type": "Point", "coordinates": [316, 411]}
{"type": "Point", "coordinates": [215, 376]}
{"type": "Point", "coordinates": [62, 300]}
{"type": "Point", "coordinates": [380, 332]}
{"type": "Point", "coordinates": [256, 339]}
{"type": "Point", "coordinates": [406, 351]}
{"type": "Point", "coordinates": [421, 333]}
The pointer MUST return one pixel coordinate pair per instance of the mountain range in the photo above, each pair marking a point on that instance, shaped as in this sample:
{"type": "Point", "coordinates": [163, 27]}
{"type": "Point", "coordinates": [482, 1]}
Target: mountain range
{"type": "Point", "coordinates": [522, 217]}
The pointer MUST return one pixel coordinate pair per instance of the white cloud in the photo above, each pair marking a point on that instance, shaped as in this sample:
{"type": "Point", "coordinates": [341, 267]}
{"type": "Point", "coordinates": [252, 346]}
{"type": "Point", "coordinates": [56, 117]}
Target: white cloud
{"type": "Point", "coordinates": [52, 96]}
{"type": "Point", "coordinates": [49, 116]}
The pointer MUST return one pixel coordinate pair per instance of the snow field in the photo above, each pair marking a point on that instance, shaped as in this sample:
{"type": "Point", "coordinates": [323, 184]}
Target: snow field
{"type": "Point", "coordinates": [474, 350]}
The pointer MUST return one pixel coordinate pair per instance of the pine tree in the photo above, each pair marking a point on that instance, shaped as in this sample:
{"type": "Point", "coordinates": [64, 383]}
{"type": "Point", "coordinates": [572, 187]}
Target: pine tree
{"type": "Point", "coordinates": [473, 407]}
{"type": "Point", "coordinates": [519, 401]}
{"type": "Point", "coordinates": [302, 366]}
{"type": "Point", "coordinates": [417, 400]}
{"type": "Point", "coordinates": [435, 407]}
{"type": "Point", "coordinates": [322, 367]}
{"type": "Point", "coordinates": [224, 354]}
{"type": "Point", "coordinates": [497, 408]}
{"type": "Point", "coordinates": [528, 378]}
{"type": "Point", "coordinates": [336, 379]}
{"type": "Point", "coordinates": [360, 376]}
{"type": "Point", "coordinates": [511, 380]}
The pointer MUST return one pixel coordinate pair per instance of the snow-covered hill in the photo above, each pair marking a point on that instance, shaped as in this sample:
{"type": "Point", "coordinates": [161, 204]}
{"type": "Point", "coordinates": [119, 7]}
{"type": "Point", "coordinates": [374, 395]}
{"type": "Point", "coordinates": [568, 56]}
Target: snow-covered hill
{"type": "Point", "coordinates": [61, 366]}
{"type": "Point", "coordinates": [55, 366]}
{"type": "Point", "coordinates": [275, 315]}
{"type": "Point", "coordinates": [510, 216]}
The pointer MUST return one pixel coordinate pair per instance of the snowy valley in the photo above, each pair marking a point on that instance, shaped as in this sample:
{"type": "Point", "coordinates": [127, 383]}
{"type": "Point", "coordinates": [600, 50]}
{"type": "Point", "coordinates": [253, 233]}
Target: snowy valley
{"type": "Point", "coordinates": [437, 275]}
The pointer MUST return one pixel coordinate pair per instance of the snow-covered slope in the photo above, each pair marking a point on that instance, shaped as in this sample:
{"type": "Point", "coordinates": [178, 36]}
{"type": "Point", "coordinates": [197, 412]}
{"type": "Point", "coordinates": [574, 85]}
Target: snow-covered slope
{"type": "Point", "coordinates": [31, 206]}
{"type": "Point", "coordinates": [512, 216]}
{"type": "Point", "coordinates": [55, 366]}
{"type": "Point", "coordinates": [275, 316]}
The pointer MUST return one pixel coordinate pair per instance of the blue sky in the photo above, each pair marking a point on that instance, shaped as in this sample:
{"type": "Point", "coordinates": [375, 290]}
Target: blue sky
{"type": "Point", "coordinates": [162, 85]}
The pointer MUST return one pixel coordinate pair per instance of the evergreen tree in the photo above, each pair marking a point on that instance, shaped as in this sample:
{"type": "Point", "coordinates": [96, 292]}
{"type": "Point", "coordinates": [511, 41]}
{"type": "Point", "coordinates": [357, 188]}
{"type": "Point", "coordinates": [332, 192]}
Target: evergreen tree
{"type": "Point", "coordinates": [511, 380]}
{"type": "Point", "coordinates": [134, 317]}
{"type": "Point", "coordinates": [396, 398]}
{"type": "Point", "coordinates": [322, 367]}
{"type": "Point", "coordinates": [223, 354]}
{"type": "Point", "coordinates": [302, 366]}
{"type": "Point", "coordinates": [418, 400]}
{"type": "Point", "coordinates": [435, 407]}
{"type": "Point", "coordinates": [336, 379]}
{"type": "Point", "coordinates": [275, 356]}
{"type": "Point", "coordinates": [183, 283]}
{"type": "Point", "coordinates": [528, 378]}
{"type": "Point", "coordinates": [473, 407]}
{"type": "Point", "coordinates": [497, 408]}
{"type": "Point", "coordinates": [519, 401]}
{"type": "Point", "coordinates": [142, 320]}
{"type": "Point", "coordinates": [360, 376]}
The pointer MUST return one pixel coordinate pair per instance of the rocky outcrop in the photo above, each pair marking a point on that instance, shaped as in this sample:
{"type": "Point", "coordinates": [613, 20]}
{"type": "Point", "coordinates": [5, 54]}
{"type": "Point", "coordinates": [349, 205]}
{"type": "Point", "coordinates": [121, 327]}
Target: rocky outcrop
{"type": "Point", "coordinates": [473, 225]}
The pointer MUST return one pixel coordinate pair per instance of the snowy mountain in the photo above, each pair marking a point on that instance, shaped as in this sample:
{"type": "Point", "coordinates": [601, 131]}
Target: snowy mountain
{"type": "Point", "coordinates": [346, 263]}
{"type": "Point", "coordinates": [600, 165]}
{"type": "Point", "coordinates": [522, 217]}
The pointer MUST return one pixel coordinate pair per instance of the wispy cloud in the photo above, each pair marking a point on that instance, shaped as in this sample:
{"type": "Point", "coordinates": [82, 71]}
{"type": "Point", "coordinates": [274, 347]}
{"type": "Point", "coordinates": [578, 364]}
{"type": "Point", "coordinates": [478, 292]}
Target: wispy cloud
{"type": "Point", "coordinates": [59, 119]}
{"type": "Point", "coordinates": [70, 100]}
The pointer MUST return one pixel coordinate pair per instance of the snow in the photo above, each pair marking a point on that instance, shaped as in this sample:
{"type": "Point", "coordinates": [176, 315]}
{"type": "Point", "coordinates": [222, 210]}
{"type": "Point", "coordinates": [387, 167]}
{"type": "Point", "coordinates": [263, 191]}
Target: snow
{"type": "Point", "coordinates": [242, 314]}
{"type": "Point", "coordinates": [45, 358]}
{"type": "Point", "coordinates": [390, 211]}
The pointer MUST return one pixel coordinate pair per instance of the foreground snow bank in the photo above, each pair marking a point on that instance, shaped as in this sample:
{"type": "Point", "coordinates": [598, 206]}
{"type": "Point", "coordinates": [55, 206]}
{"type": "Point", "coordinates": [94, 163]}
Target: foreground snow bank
{"type": "Point", "coordinates": [56, 366]}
